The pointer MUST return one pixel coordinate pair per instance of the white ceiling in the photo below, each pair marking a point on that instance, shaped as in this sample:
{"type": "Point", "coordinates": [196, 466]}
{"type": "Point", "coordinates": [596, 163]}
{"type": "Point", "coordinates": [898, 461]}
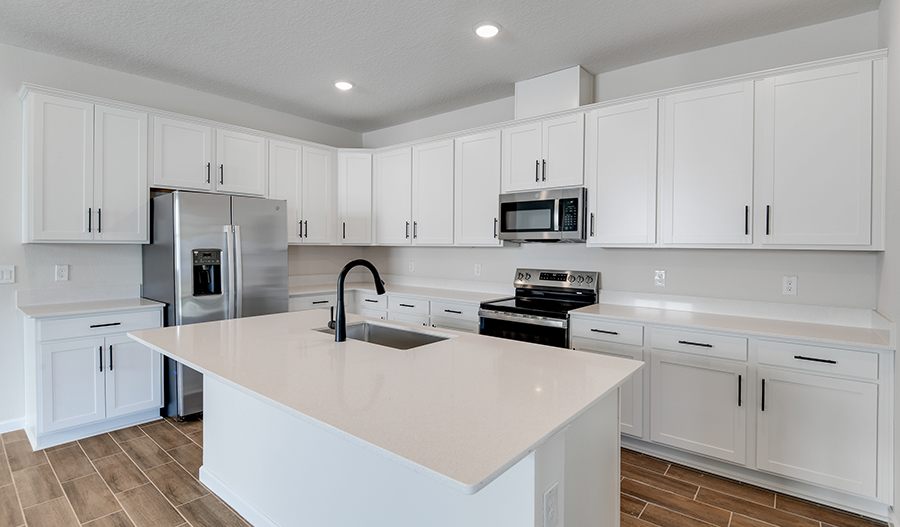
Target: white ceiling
{"type": "Point", "coordinates": [408, 58]}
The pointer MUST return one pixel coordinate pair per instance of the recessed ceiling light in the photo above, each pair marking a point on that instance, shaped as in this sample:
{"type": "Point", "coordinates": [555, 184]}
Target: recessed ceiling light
{"type": "Point", "coordinates": [343, 85]}
{"type": "Point", "coordinates": [487, 29]}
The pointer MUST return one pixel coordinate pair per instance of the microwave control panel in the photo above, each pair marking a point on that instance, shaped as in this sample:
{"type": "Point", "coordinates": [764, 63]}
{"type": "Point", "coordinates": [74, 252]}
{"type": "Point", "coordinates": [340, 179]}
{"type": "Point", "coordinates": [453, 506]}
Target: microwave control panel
{"type": "Point", "coordinates": [568, 210]}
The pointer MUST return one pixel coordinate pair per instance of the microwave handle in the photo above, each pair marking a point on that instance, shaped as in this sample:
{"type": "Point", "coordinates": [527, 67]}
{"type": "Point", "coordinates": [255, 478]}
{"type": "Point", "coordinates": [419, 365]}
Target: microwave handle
{"type": "Point", "coordinates": [557, 218]}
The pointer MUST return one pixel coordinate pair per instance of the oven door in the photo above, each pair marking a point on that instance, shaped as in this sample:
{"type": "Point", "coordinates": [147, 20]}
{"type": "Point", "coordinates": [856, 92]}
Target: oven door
{"type": "Point", "coordinates": [550, 332]}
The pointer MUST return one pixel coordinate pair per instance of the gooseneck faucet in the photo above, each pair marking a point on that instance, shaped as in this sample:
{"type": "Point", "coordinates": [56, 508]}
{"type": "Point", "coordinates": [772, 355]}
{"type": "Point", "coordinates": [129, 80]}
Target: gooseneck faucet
{"type": "Point", "coordinates": [340, 323]}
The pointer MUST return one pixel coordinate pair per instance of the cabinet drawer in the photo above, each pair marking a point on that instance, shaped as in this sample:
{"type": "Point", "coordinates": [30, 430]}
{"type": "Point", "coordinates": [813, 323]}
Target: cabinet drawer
{"type": "Point", "coordinates": [819, 359]}
{"type": "Point", "coordinates": [405, 304]}
{"type": "Point", "coordinates": [409, 318]}
{"type": "Point", "coordinates": [454, 310]}
{"type": "Point", "coordinates": [302, 303]}
{"type": "Point", "coordinates": [87, 326]}
{"type": "Point", "coordinates": [374, 313]}
{"type": "Point", "coordinates": [698, 343]}
{"type": "Point", "coordinates": [454, 324]}
{"type": "Point", "coordinates": [607, 331]}
{"type": "Point", "coordinates": [371, 301]}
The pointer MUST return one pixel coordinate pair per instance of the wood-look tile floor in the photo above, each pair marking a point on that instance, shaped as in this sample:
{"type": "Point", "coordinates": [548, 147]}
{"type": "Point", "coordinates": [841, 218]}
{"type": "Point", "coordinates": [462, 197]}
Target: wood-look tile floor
{"type": "Point", "coordinates": [148, 475]}
{"type": "Point", "coordinates": [143, 476]}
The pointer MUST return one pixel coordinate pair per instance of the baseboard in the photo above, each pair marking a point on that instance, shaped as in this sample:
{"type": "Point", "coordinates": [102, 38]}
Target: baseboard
{"type": "Point", "coordinates": [12, 425]}
{"type": "Point", "coordinates": [222, 490]}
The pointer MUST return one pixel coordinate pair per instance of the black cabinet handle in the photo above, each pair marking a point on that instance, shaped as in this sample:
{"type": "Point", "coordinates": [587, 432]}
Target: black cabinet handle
{"type": "Point", "coordinates": [306, 228]}
{"type": "Point", "coordinates": [407, 305]}
{"type": "Point", "coordinates": [739, 390]}
{"type": "Point", "coordinates": [746, 219]}
{"type": "Point", "coordinates": [110, 358]}
{"type": "Point", "coordinates": [605, 331]}
{"type": "Point", "coordinates": [344, 226]}
{"type": "Point", "coordinates": [106, 325]}
{"type": "Point", "coordinates": [592, 224]}
{"type": "Point", "coordinates": [321, 302]}
{"type": "Point", "coordinates": [495, 227]}
{"type": "Point", "coordinates": [453, 311]}
{"type": "Point", "coordinates": [768, 208]}
{"type": "Point", "coordinates": [701, 344]}
{"type": "Point", "coordinates": [207, 172]}
{"type": "Point", "coordinates": [813, 359]}
{"type": "Point", "coordinates": [370, 300]}
{"type": "Point", "coordinates": [221, 174]}
{"type": "Point", "coordinates": [763, 406]}
{"type": "Point", "coordinates": [99, 221]}
{"type": "Point", "coordinates": [544, 170]}
{"type": "Point", "coordinates": [89, 219]}
{"type": "Point", "coordinates": [300, 224]}
{"type": "Point", "coordinates": [415, 230]}
{"type": "Point", "coordinates": [537, 169]}
{"type": "Point", "coordinates": [101, 357]}
{"type": "Point", "coordinates": [407, 230]}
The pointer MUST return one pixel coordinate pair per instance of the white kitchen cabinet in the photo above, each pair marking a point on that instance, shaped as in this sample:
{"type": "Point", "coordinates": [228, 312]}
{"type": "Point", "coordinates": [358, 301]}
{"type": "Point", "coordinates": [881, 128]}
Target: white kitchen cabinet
{"type": "Point", "coordinates": [393, 197]}
{"type": "Point", "coordinates": [284, 183]}
{"type": "Point", "coordinates": [707, 177]}
{"type": "Point", "coordinates": [314, 301]}
{"type": "Point", "coordinates": [699, 404]}
{"type": "Point", "coordinates": [432, 193]}
{"type": "Point", "coordinates": [133, 377]}
{"type": "Point", "coordinates": [72, 383]}
{"type": "Point", "coordinates": [477, 178]}
{"type": "Point", "coordinates": [355, 197]}
{"type": "Point", "coordinates": [85, 172]}
{"type": "Point", "coordinates": [621, 174]}
{"type": "Point", "coordinates": [240, 163]}
{"type": "Point", "coordinates": [317, 195]}
{"type": "Point", "coordinates": [816, 153]}
{"type": "Point", "coordinates": [543, 154]}
{"type": "Point", "coordinates": [458, 316]}
{"type": "Point", "coordinates": [182, 154]}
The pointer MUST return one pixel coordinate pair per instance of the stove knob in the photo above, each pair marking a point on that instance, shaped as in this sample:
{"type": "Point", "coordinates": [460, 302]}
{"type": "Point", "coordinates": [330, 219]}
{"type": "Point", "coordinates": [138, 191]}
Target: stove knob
{"type": "Point", "coordinates": [571, 279]}
{"type": "Point", "coordinates": [589, 280]}
{"type": "Point", "coordinates": [528, 276]}
{"type": "Point", "coordinates": [580, 279]}
{"type": "Point", "coordinates": [520, 276]}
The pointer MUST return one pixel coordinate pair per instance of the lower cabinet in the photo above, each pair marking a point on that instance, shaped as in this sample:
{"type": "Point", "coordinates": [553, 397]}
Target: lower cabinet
{"type": "Point", "coordinates": [699, 404]}
{"type": "Point", "coordinates": [316, 301]}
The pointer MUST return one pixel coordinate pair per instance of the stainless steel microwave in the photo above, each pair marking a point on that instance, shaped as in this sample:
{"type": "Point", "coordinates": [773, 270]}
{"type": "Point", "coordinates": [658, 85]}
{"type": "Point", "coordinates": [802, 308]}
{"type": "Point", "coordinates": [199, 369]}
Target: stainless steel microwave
{"type": "Point", "coordinates": [544, 215]}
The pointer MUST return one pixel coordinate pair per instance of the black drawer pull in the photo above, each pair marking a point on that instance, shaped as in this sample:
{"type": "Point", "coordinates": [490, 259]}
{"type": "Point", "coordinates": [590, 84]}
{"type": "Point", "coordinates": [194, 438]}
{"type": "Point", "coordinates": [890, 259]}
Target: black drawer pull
{"type": "Point", "coordinates": [739, 390]}
{"type": "Point", "coordinates": [763, 406]}
{"type": "Point", "coordinates": [321, 301]}
{"type": "Point", "coordinates": [407, 305]}
{"type": "Point", "coordinates": [604, 331]}
{"type": "Point", "coordinates": [101, 357]}
{"type": "Point", "coordinates": [813, 359]}
{"type": "Point", "coordinates": [106, 325]}
{"type": "Point", "coordinates": [370, 300]}
{"type": "Point", "coordinates": [701, 344]}
{"type": "Point", "coordinates": [453, 311]}
{"type": "Point", "coordinates": [110, 358]}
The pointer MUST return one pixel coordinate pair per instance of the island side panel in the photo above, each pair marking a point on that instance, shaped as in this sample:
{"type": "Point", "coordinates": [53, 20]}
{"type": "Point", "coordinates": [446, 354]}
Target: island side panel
{"type": "Point", "coordinates": [278, 470]}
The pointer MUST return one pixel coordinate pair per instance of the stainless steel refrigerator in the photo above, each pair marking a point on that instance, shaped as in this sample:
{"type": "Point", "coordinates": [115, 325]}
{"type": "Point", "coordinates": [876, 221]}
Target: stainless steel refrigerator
{"type": "Point", "coordinates": [213, 257]}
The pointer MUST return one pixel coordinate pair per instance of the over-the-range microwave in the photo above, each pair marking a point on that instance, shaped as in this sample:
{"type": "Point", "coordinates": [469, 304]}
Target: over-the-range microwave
{"type": "Point", "coordinates": [544, 215]}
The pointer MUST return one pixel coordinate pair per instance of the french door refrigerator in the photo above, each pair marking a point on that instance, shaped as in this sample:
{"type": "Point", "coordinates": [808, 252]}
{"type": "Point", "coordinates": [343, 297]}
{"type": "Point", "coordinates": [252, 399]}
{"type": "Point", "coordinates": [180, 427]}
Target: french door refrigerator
{"type": "Point", "coordinates": [213, 257]}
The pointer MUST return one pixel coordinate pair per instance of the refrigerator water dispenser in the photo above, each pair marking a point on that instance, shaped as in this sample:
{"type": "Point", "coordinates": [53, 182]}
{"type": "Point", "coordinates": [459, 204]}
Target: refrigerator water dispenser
{"type": "Point", "coordinates": [207, 272]}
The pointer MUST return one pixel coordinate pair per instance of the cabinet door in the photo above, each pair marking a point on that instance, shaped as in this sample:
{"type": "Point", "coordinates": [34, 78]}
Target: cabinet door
{"type": "Point", "coordinates": [120, 175]}
{"type": "Point", "coordinates": [60, 171]}
{"type": "Point", "coordinates": [521, 161]}
{"type": "Point", "coordinates": [622, 175]}
{"type": "Point", "coordinates": [355, 197]}
{"type": "Point", "coordinates": [133, 377]}
{"type": "Point", "coordinates": [631, 393]}
{"type": "Point", "coordinates": [816, 166]}
{"type": "Point", "coordinates": [562, 150]}
{"type": "Point", "coordinates": [708, 166]}
{"type": "Point", "coordinates": [284, 183]}
{"type": "Point", "coordinates": [432, 197]}
{"type": "Point", "coordinates": [818, 429]}
{"type": "Point", "coordinates": [699, 405]}
{"type": "Point", "coordinates": [182, 154]}
{"type": "Point", "coordinates": [316, 195]}
{"type": "Point", "coordinates": [477, 182]}
{"type": "Point", "coordinates": [72, 384]}
{"type": "Point", "coordinates": [393, 197]}
{"type": "Point", "coordinates": [241, 163]}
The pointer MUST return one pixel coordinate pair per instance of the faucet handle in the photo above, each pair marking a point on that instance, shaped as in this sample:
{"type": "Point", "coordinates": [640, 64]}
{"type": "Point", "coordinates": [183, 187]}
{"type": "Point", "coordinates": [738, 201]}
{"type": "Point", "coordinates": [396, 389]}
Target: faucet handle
{"type": "Point", "coordinates": [331, 323]}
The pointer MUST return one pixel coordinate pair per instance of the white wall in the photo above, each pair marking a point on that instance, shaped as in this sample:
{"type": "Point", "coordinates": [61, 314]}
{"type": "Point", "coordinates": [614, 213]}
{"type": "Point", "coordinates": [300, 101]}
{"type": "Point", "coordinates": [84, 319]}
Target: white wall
{"type": "Point", "coordinates": [91, 265]}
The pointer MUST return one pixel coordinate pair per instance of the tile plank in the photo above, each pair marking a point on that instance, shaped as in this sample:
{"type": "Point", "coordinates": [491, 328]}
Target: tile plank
{"type": "Point", "coordinates": [165, 435]}
{"type": "Point", "coordinates": [145, 453]}
{"type": "Point", "coordinates": [70, 463]}
{"type": "Point", "coordinates": [197, 437]}
{"type": "Point", "coordinates": [20, 456]}
{"type": "Point", "coordinates": [15, 435]}
{"type": "Point", "coordinates": [176, 484]}
{"type": "Point", "coordinates": [99, 446]}
{"type": "Point", "coordinates": [148, 508]}
{"type": "Point", "coordinates": [645, 462]}
{"type": "Point", "coordinates": [190, 457]}
{"type": "Point", "coordinates": [209, 511]}
{"type": "Point", "coordinates": [688, 507]}
{"type": "Point", "coordinates": [127, 434]}
{"type": "Point", "coordinates": [90, 497]}
{"type": "Point", "coordinates": [822, 513]}
{"type": "Point", "coordinates": [118, 519]}
{"type": "Point", "coordinates": [120, 473]}
{"type": "Point", "coordinates": [56, 513]}
{"type": "Point", "coordinates": [36, 485]}
{"type": "Point", "coordinates": [630, 521]}
{"type": "Point", "coordinates": [655, 479]}
{"type": "Point", "coordinates": [739, 520]}
{"type": "Point", "coordinates": [662, 516]}
{"type": "Point", "coordinates": [10, 513]}
{"type": "Point", "coordinates": [630, 505]}
{"type": "Point", "coordinates": [186, 427]}
{"type": "Point", "coordinates": [5, 476]}
{"type": "Point", "coordinates": [753, 510]}
{"type": "Point", "coordinates": [723, 485]}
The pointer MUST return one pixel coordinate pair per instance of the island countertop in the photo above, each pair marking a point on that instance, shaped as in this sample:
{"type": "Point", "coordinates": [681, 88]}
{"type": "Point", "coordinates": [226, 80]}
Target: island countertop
{"type": "Point", "coordinates": [461, 411]}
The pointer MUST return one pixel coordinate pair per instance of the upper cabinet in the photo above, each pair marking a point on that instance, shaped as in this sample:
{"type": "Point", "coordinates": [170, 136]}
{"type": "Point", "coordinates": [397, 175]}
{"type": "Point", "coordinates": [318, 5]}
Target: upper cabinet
{"type": "Point", "coordinates": [303, 177]}
{"type": "Point", "coordinates": [707, 175]}
{"type": "Point", "coordinates": [621, 174]}
{"type": "Point", "coordinates": [543, 154]}
{"type": "Point", "coordinates": [284, 183]}
{"type": "Point", "coordinates": [815, 156]}
{"type": "Point", "coordinates": [85, 177]}
{"type": "Point", "coordinates": [477, 169]}
{"type": "Point", "coordinates": [355, 197]}
{"type": "Point", "coordinates": [183, 153]}
{"type": "Point", "coordinates": [393, 197]}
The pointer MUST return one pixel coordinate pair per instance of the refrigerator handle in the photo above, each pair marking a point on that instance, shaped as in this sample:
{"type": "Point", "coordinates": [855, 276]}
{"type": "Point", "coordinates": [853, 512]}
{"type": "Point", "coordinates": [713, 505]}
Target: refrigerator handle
{"type": "Point", "coordinates": [229, 257]}
{"type": "Point", "coordinates": [238, 273]}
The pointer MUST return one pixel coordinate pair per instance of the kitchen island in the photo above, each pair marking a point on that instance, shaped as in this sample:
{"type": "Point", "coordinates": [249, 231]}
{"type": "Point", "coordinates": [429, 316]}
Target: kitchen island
{"type": "Point", "coordinates": [471, 430]}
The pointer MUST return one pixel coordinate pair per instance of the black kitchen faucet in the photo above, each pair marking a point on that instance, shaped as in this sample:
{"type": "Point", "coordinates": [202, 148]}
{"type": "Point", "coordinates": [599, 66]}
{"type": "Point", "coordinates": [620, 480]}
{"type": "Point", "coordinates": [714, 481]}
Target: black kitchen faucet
{"type": "Point", "coordinates": [339, 325]}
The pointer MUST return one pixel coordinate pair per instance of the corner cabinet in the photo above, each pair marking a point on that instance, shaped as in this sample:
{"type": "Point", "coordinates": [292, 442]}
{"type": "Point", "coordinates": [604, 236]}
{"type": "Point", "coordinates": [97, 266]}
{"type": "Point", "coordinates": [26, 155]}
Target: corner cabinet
{"type": "Point", "coordinates": [84, 376]}
{"type": "Point", "coordinates": [85, 177]}
{"type": "Point", "coordinates": [544, 154]}
{"type": "Point", "coordinates": [477, 168]}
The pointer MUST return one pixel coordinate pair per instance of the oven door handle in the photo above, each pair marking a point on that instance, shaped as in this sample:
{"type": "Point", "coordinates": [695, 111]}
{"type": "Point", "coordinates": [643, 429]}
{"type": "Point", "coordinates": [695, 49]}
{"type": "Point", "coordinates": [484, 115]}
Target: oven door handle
{"type": "Point", "coordinates": [524, 319]}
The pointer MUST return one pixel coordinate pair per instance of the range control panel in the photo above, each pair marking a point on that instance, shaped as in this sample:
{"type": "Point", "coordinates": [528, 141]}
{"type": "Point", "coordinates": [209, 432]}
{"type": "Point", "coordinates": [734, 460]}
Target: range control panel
{"type": "Point", "coordinates": [558, 279]}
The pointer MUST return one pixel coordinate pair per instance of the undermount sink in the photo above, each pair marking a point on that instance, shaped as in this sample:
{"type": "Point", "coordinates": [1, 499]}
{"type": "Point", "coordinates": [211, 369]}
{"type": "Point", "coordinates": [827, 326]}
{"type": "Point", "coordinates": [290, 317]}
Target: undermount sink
{"type": "Point", "coordinates": [396, 337]}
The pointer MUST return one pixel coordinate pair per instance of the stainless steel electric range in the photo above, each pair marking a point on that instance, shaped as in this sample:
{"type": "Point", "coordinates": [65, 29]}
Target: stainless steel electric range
{"type": "Point", "coordinates": [540, 310]}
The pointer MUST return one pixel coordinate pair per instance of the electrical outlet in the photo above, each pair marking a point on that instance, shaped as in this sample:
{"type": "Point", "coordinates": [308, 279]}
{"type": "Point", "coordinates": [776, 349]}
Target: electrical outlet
{"type": "Point", "coordinates": [412, 266]}
{"type": "Point", "coordinates": [788, 285]}
{"type": "Point", "coordinates": [7, 274]}
{"type": "Point", "coordinates": [551, 506]}
{"type": "Point", "coordinates": [659, 278]}
{"type": "Point", "coordinates": [478, 269]}
{"type": "Point", "coordinates": [62, 273]}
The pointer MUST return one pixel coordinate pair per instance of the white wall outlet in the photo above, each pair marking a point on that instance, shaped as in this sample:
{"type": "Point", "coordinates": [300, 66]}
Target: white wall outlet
{"type": "Point", "coordinates": [659, 278]}
{"type": "Point", "coordinates": [62, 273]}
{"type": "Point", "coordinates": [788, 285]}
{"type": "Point", "coordinates": [478, 269]}
{"type": "Point", "coordinates": [551, 506]}
{"type": "Point", "coordinates": [7, 274]}
{"type": "Point", "coordinates": [412, 266]}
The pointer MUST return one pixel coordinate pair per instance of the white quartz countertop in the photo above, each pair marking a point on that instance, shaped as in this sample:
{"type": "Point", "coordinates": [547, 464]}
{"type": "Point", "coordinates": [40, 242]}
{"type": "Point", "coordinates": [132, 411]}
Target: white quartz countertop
{"type": "Point", "coordinates": [87, 308]}
{"type": "Point", "coordinates": [424, 292]}
{"type": "Point", "coordinates": [823, 333]}
{"type": "Point", "coordinates": [461, 411]}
